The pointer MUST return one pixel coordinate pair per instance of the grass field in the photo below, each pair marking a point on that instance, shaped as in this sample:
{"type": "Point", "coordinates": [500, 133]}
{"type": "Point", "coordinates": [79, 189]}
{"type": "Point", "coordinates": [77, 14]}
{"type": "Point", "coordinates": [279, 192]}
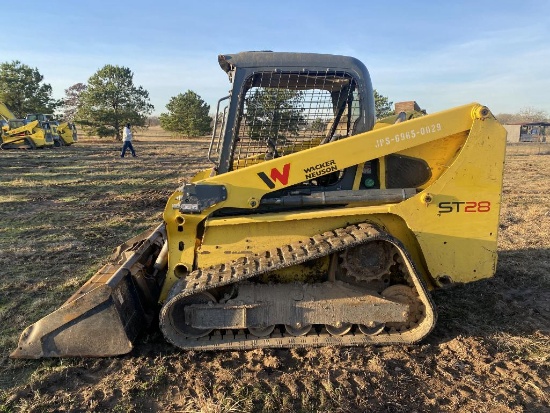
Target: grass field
{"type": "Point", "coordinates": [64, 210]}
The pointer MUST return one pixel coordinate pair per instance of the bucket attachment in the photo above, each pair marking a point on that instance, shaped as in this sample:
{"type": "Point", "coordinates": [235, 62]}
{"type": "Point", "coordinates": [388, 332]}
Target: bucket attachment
{"type": "Point", "coordinates": [108, 312]}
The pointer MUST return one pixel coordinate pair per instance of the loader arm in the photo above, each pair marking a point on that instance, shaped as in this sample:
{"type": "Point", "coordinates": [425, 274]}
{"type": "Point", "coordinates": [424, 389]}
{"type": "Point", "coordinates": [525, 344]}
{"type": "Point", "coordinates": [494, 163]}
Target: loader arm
{"type": "Point", "coordinates": [29, 128]}
{"type": "Point", "coordinates": [5, 112]}
{"type": "Point", "coordinates": [245, 187]}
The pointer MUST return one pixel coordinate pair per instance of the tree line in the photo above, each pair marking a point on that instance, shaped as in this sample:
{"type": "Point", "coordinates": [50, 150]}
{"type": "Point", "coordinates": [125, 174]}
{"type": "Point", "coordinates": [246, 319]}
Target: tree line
{"type": "Point", "coordinates": [525, 115]}
{"type": "Point", "coordinates": [104, 104]}
{"type": "Point", "coordinates": [110, 99]}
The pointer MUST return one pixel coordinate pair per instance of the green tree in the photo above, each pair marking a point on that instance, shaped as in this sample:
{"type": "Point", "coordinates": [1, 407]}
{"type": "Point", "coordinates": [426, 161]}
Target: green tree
{"type": "Point", "coordinates": [23, 91]}
{"type": "Point", "coordinates": [111, 100]}
{"type": "Point", "coordinates": [272, 113]}
{"type": "Point", "coordinates": [382, 105]}
{"type": "Point", "coordinates": [187, 114]}
{"type": "Point", "coordinates": [318, 125]}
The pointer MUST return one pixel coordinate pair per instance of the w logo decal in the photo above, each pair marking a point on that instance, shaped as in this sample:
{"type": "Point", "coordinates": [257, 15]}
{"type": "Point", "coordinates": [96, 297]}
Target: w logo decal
{"type": "Point", "coordinates": [276, 175]}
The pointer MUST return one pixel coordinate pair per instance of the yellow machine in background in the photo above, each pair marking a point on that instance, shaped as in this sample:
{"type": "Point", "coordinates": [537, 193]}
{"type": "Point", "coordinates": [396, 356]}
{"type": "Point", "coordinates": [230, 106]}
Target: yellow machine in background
{"type": "Point", "coordinates": [64, 133]}
{"type": "Point", "coordinates": [50, 124]}
{"type": "Point", "coordinates": [18, 133]}
{"type": "Point", "coordinates": [67, 132]}
{"type": "Point", "coordinates": [315, 226]}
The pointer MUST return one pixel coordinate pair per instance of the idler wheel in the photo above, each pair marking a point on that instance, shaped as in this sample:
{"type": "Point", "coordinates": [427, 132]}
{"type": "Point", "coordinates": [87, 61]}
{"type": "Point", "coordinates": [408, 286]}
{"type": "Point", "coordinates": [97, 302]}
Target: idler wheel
{"type": "Point", "coordinates": [405, 295]}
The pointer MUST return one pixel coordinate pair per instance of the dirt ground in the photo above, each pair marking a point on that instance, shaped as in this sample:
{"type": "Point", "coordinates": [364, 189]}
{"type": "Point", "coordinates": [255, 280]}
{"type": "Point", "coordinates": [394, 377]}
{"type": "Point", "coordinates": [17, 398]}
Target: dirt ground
{"type": "Point", "coordinates": [62, 212]}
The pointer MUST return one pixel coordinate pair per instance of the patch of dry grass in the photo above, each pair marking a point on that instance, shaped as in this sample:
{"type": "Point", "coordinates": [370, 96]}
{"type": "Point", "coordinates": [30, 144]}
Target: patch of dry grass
{"type": "Point", "coordinates": [64, 210]}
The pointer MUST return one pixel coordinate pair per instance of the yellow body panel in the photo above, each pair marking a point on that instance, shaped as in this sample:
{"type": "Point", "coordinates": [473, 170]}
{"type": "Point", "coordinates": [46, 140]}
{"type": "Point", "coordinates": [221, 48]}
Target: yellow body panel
{"type": "Point", "coordinates": [38, 135]}
{"type": "Point", "coordinates": [449, 227]}
{"type": "Point", "coordinates": [5, 112]}
{"type": "Point", "coordinates": [455, 220]}
{"type": "Point", "coordinates": [65, 133]}
{"type": "Point", "coordinates": [31, 131]}
{"type": "Point", "coordinates": [17, 135]}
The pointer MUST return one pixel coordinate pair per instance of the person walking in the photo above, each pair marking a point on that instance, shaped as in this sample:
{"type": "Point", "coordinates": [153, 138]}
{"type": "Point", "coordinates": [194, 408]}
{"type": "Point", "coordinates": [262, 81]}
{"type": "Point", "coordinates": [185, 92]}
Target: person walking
{"type": "Point", "coordinates": [127, 141]}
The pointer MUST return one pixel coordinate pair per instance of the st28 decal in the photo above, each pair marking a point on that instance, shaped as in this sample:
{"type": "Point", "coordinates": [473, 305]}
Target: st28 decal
{"type": "Point", "coordinates": [464, 206]}
{"type": "Point", "coordinates": [276, 175]}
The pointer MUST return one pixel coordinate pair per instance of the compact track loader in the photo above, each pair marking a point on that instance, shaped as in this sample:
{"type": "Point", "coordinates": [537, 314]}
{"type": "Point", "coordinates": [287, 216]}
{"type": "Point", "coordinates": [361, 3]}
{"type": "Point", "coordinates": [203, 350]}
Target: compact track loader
{"type": "Point", "coordinates": [64, 133]}
{"type": "Point", "coordinates": [20, 133]}
{"type": "Point", "coordinates": [313, 227]}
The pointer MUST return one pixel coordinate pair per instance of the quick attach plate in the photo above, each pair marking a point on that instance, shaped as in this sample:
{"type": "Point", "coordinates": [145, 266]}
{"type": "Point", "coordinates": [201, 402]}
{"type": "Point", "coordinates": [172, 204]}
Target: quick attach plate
{"type": "Point", "coordinates": [196, 197]}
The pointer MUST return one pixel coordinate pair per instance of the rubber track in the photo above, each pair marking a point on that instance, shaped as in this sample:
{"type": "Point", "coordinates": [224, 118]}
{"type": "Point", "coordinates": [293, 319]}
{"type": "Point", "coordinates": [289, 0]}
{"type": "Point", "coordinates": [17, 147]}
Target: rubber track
{"type": "Point", "coordinates": [292, 254]}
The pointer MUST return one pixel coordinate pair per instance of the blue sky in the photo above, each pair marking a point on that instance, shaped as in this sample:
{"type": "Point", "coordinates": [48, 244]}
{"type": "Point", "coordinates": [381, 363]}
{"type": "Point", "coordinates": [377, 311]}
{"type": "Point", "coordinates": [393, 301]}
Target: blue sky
{"type": "Point", "coordinates": [440, 54]}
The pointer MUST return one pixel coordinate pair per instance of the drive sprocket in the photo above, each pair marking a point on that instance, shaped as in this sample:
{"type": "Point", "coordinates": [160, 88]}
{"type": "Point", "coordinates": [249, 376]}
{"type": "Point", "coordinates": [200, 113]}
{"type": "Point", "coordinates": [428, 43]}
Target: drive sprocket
{"type": "Point", "coordinates": [368, 262]}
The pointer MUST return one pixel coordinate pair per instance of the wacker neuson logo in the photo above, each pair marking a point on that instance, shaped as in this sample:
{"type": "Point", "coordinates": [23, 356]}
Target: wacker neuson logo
{"type": "Point", "coordinates": [320, 169]}
{"type": "Point", "coordinates": [276, 175]}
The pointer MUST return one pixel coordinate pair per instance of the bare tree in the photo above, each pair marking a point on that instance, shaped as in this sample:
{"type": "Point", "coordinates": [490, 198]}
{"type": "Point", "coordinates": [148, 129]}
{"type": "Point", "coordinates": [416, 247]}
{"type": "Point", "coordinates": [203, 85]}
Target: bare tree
{"type": "Point", "coordinates": [71, 102]}
{"type": "Point", "coordinates": [525, 115]}
{"type": "Point", "coordinates": [531, 114]}
{"type": "Point", "coordinates": [153, 121]}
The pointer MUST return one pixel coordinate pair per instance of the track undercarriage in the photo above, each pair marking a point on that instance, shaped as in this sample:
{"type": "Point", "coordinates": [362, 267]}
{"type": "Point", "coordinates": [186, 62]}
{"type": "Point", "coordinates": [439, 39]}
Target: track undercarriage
{"type": "Point", "coordinates": [372, 294]}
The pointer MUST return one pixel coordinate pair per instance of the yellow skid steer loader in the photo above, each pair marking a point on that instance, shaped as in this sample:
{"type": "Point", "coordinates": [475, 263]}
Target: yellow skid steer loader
{"type": "Point", "coordinates": [313, 227]}
{"type": "Point", "coordinates": [22, 134]}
